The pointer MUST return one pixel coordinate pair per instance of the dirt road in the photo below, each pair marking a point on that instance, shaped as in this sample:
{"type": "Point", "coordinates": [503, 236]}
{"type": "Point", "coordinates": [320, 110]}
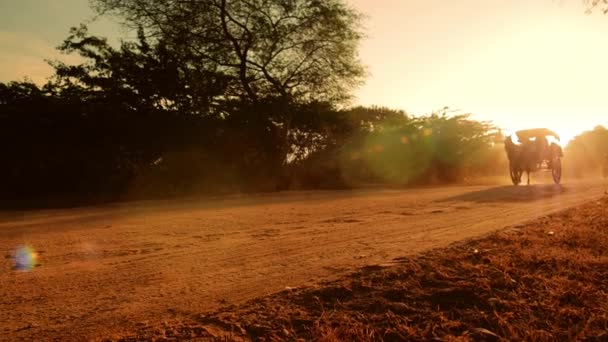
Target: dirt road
{"type": "Point", "coordinates": [105, 270]}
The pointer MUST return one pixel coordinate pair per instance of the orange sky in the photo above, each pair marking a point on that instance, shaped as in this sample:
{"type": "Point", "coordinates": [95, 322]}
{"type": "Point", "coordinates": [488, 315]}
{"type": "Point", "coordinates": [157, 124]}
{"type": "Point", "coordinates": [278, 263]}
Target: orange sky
{"type": "Point", "coordinates": [518, 63]}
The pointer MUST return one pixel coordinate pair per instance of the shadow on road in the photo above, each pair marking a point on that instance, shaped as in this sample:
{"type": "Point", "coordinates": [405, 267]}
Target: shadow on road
{"type": "Point", "coordinates": [510, 193]}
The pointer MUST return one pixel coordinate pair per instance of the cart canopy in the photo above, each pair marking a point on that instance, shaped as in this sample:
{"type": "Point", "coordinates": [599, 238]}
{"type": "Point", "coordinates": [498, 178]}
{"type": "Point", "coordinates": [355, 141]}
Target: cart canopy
{"type": "Point", "coordinates": [526, 134]}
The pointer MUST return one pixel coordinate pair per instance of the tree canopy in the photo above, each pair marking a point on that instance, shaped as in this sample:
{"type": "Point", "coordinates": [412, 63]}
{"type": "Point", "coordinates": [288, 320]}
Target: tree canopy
{"type": "Point", "coordinates": [297, 50]}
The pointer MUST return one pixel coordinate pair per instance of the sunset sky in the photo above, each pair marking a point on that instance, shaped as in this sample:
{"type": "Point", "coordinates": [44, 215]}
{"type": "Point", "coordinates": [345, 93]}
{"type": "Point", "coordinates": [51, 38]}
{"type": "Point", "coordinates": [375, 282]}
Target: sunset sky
{"type": "Point", "coordinates": [518, 63]}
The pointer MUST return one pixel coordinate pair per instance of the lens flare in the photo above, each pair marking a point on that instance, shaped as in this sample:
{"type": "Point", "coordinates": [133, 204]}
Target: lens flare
{"type": "Point", "coordinates": [25, 258]}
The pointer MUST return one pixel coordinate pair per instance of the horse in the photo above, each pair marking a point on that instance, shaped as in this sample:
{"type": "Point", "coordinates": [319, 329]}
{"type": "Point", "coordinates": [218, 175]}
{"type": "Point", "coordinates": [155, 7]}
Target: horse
{"type": "Point", "coordinates": [522, 158]}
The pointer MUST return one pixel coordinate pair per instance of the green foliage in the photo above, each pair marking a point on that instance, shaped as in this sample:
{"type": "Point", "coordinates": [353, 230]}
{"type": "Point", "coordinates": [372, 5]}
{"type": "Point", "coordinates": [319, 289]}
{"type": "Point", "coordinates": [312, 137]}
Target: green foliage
{"type": "Point", "coordinates": [390, 147]}
{"type": "Point", "coordinates": [436, 148]}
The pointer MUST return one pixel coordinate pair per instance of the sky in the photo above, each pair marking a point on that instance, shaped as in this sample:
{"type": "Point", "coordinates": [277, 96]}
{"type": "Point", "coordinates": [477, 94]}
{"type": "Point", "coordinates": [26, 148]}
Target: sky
{"type": "Point", "coordinates": [517, 63]}
{"type": "Point", "coordinates": [30, 31]}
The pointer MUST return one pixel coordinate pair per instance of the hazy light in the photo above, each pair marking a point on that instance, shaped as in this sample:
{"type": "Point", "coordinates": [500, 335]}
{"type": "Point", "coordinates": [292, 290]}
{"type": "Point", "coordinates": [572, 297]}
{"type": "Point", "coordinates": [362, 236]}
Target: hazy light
{"type": "Point", "coordinates": [518, 63]}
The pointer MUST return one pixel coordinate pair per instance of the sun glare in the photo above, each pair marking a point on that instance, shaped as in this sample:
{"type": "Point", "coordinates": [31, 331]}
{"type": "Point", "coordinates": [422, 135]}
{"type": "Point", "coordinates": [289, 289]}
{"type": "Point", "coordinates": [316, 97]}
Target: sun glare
{"type": "Point", "coordinates": [528, 64]}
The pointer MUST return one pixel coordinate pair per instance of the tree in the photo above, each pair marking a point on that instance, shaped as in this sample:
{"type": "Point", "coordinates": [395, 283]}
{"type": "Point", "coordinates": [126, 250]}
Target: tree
{"type": "Point", "coordinates": [275, 55]}
{"type": "Point", "coordinates": [138, 75]}
{"type": "Point", "coordinates": [300, 50]}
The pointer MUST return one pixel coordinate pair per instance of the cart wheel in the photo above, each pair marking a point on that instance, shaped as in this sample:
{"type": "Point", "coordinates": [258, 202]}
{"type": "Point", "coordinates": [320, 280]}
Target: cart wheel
{"type": "Point", "coordinates": [515, 175]}
{"type": "Point", "coordinates": [556, 170]}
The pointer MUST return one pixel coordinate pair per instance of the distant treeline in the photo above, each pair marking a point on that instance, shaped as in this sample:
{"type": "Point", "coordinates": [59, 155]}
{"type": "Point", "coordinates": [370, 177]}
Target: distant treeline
{"type": "Point", "coordinates": [221, 96]}
{"type": "Point", "coordinates": [68, 145]}
{"type": "Point", "coordinates": [587, 153]}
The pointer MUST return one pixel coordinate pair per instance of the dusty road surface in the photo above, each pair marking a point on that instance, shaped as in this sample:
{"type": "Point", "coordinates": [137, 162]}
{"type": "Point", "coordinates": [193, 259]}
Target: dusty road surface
{"type": "Point", "coordinates": [104, 271]}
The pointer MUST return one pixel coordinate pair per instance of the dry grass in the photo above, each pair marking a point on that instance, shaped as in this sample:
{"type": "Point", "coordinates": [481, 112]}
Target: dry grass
{"type": "Point", "coordinates": [543, 281]}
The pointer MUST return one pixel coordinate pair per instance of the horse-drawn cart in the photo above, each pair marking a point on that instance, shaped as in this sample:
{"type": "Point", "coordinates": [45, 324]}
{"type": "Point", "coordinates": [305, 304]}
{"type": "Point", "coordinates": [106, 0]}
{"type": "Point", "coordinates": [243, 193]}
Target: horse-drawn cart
{"type": "Point", "coordinates": [532, 152]}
